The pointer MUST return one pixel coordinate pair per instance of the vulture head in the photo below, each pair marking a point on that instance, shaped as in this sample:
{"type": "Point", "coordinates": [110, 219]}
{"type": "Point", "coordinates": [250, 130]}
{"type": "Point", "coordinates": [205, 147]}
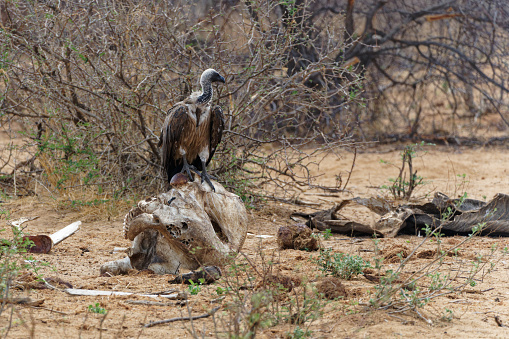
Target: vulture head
{"type": "Point", "coordinates": [210, 75]}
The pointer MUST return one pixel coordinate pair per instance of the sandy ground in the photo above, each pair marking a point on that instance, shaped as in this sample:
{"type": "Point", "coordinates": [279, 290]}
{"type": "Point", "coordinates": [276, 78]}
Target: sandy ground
{"type": "Point", "coordinates": [480, 172]}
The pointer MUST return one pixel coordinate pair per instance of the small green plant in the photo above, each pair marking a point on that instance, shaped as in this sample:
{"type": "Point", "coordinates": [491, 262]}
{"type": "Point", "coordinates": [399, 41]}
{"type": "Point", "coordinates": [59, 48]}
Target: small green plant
{"type": "Point", "coordinates": [477, 229]}
{"type": "Point", "coordinates": [341, 265]}
{"type": "Point", "coordinates": [462, 184]}
{"type": "Point", "coordinates": [14, 259]}
{"type": "Point", "coordinates": [6, 213]}
{"type": "Point", "coordinates": [413, 297]}
{"type": "Point", "coordinates": [269, 304]}
{"type": "Point", "coordinates": [448, 315]}
{"type": "Point", "coordinates": [438, 281]}
{"type": "Point", "coordinates": [299, 333]}
{"type": "Point", "coordinates": [384, 290]}
{"type": "Point", "coordinates": [195, 288]}
{"type": "Point", "coordinates": [97, 309]}
{"type": "Point", "coordinates": [221, 291]}
{"type": "Point", "coordinates": [327, 234]}
{"type": "Point", "coordinates": [407, 180]}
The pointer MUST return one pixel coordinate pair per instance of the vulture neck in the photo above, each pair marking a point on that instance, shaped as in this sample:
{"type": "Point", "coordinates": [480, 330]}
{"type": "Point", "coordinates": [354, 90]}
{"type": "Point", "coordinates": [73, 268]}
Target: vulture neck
{"type": "Point", "coordinates": [206, 89]}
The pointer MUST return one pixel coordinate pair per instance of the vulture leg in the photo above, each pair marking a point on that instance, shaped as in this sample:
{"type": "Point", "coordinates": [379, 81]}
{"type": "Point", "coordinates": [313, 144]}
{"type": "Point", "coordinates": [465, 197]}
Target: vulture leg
{"type": "Point", "coordinates": [186, 168]}
{"type": "Point", "coordinates": [205, 176]}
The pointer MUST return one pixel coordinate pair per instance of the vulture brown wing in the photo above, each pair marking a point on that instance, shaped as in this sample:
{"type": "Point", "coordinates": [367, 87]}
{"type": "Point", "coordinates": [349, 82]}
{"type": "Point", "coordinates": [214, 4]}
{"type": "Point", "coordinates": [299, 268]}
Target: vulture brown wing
{"type": "Point", "coordinates": [172, 132]}
{"type": "Point", "coordinates": [216, 130]}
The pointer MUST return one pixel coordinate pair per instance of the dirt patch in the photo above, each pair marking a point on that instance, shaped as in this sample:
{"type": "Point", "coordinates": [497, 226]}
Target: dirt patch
{"type": "Point", "coordinates": [427, 254]}
{"type": "Point", "coordinates": [395, 253]}
{"type": "Point", "coordinates": [332, 288]}
{"type": "Point", "coordinates": [279, 281]}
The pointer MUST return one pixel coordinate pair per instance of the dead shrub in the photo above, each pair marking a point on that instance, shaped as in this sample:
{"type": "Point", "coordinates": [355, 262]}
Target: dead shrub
{"type": "Point", "coordinates": [89, 84]}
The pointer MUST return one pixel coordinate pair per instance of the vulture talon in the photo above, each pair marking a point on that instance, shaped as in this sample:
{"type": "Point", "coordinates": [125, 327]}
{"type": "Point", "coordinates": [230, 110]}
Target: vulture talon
{"type": "Point", "coordinates": [187, 169]}
{"type": "Point", "coordinates": [205, 177]}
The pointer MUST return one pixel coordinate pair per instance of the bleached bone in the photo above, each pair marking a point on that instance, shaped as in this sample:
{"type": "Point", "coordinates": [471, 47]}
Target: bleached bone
{"type": "Point", "coordinates": [188, 227]}
{"type": "Point", "coordinates": [83, 292]}
{"type": "Point", "coordinates": [65, 232]}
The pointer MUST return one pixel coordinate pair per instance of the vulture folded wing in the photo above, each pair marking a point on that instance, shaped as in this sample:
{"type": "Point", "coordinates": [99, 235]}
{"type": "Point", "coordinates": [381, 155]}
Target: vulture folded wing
{"type": "Point", "coordinates": [171, 137]}
{"type": "Point", "coordinates": [216, 130]}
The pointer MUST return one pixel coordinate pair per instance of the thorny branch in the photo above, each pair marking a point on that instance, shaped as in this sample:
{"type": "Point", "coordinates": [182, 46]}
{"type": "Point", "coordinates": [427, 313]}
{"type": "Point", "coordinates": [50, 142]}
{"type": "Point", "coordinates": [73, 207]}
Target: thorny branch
{"type": "Point", "coordinates": [98, 77]}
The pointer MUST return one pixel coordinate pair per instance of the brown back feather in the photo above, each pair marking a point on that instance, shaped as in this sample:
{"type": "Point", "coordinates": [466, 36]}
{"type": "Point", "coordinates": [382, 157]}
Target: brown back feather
{"type": "Point", "coordinates": [216, 130]}
{"type": "Point", "coordinates": [177, 121]}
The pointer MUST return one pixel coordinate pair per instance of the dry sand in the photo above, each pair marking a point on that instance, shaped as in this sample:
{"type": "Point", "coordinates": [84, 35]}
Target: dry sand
{"type": "Point", "coordinates": [77, 261]}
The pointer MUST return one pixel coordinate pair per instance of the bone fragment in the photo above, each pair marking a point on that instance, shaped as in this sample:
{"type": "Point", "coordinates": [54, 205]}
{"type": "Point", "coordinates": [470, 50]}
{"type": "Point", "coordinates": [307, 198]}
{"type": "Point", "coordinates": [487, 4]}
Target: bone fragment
{"type": "Point", "coordinates": [18, 222]}
{"type": "Point", "coordinates": [65, 232]}
{"type": "Point", "coordinates": [77, 291]}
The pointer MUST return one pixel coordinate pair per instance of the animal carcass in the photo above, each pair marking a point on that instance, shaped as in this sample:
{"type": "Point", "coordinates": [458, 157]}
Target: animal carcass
{"type": "Point", "coordinates": [188, 227]}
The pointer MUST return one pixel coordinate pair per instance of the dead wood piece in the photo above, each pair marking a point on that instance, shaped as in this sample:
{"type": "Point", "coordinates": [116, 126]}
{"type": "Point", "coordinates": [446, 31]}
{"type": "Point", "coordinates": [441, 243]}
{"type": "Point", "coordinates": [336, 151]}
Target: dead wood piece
{"type": "Point", "coordinates": [166, 321]}
{"type": "Point", "coordinates": [37, 284]}
{"type": "Point", "coordinates": [378, 205]}
{"type": "Point", "coordinates": [330, 219]}
{"type": "Point", "coordinates": [171, 291]}
{"type": "Point", "coordinates": [209, 274]}
{"type": "Point", "coordinates": [332, 195]}
{"type": "Point", "coordinates": [148, 303]}
{"type": "Point", "coordinates": [499, 321]}
{"type": "Point", "coordinates": [298, 237]}
{"type": "Point", "coordinates": [22, 301]}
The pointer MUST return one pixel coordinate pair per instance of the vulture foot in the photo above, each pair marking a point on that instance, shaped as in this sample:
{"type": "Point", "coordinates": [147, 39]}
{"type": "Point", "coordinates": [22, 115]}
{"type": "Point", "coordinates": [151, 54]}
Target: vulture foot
{"type": "Point", "coordinates": [187, 169]}
{"type": "Point", "coordinates": [205, 177]}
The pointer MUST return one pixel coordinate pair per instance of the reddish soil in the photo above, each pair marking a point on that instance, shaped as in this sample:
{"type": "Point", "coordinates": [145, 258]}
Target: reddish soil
{"type": "Point", "coordinates": [472, 311]}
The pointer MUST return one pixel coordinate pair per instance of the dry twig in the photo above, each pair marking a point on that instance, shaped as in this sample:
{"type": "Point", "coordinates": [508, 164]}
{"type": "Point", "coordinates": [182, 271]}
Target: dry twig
{"type": "Point", "coordinates": [166, 321]}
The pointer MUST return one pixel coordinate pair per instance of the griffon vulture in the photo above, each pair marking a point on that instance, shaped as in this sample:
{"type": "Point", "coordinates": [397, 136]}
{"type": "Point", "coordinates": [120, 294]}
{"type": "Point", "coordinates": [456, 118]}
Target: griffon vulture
{"type": "Point", "coordinates": [192, 130]}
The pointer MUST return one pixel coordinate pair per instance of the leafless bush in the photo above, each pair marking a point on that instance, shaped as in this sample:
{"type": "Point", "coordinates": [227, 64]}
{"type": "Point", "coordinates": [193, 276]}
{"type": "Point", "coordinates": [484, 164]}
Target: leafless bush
{"type": "Point", "coordinates": [90, 82]}
{"type": "Point", "coordinates": [430, 64]}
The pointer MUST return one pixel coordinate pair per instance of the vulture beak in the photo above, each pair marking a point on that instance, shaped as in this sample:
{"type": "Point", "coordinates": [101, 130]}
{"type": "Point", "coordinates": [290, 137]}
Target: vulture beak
{"type": "Point", "coordinates": [221, 79]}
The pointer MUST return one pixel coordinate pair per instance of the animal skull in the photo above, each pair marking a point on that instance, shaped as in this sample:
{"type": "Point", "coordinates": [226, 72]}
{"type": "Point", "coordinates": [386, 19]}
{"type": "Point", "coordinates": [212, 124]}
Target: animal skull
{"type": "Point", "coordinates": [188, 227]}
